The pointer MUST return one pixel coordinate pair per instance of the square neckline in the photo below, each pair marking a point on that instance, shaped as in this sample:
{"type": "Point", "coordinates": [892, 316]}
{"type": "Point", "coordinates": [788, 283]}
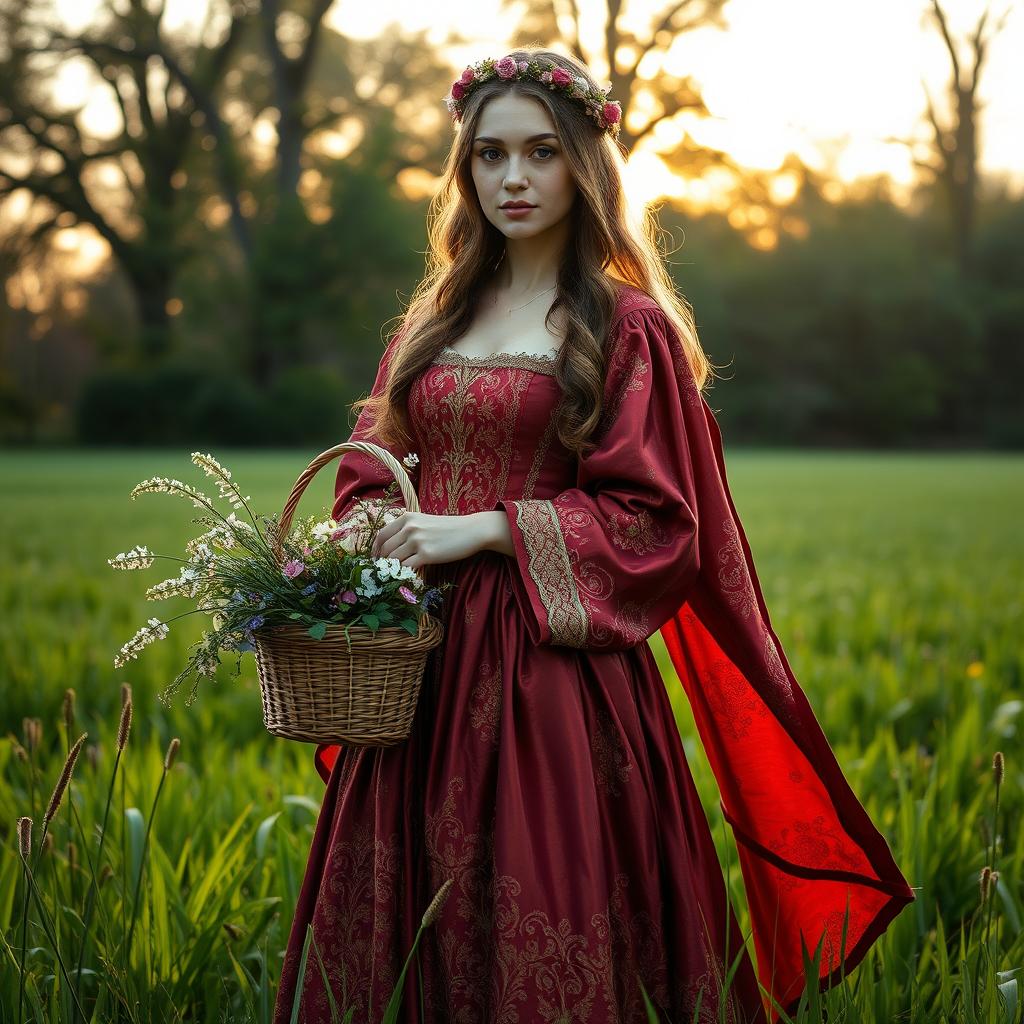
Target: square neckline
{"type": "Point", "coordinates": [545, 364]}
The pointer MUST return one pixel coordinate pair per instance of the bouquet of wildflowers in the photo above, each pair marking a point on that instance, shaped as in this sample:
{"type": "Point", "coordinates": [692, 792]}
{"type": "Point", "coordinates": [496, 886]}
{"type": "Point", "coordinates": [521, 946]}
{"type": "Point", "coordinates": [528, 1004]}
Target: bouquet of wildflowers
{"type": "Point", "coordinates": [328, 576]}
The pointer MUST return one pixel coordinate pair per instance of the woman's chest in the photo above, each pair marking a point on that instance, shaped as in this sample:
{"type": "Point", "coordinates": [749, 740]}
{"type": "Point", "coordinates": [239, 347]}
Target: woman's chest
{"type": "Point", "coordinates": [490, 420]}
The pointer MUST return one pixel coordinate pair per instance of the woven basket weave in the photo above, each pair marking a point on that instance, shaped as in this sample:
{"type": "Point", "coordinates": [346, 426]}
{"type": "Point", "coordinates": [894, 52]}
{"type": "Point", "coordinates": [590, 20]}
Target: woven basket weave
{"type": "Point", "coordinates": [361, 693]}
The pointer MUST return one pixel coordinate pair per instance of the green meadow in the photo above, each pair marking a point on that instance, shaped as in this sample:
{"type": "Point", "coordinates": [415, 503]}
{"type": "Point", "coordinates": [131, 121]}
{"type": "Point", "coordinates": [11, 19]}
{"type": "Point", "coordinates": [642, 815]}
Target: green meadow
{"type": "Point", "coordinates": [894, 581]}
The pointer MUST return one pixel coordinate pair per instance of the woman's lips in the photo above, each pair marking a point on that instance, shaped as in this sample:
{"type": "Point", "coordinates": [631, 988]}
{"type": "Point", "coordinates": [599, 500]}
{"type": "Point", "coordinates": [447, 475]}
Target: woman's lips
{"type": "Point", "coordinates": [517, 211]}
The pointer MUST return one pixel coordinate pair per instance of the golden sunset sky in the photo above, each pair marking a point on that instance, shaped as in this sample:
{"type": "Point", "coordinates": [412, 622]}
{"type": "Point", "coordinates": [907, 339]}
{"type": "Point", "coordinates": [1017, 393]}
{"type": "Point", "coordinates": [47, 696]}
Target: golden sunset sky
{"type": "Point", "coordinates": [830, 81]}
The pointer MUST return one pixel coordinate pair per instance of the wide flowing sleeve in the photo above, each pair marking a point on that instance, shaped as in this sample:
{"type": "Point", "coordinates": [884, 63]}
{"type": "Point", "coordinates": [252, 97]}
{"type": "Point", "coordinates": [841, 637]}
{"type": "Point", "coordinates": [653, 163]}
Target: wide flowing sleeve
{"type": "Point", "coordinates": [650, 537]}
{"type": "Point", "coordinates": [603, 564]}
{"type": "Point", "coordinates": [361, 477]}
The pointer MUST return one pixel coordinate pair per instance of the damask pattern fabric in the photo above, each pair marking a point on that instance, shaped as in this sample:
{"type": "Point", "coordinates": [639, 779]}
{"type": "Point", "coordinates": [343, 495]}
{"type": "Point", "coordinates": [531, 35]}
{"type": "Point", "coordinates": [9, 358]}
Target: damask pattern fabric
{"type": "Point", "coordinates": [545, 773]}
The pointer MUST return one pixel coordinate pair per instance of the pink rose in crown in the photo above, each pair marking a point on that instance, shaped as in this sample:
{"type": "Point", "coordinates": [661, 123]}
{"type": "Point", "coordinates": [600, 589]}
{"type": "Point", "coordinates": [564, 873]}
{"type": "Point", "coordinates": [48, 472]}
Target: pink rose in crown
{"type": "Point", "coordinates": [467, 76]}
{"type": "Point", "coordinates": [458, 91]}
{"type": "Point", "coordinates": [560, 76]}
{"type": "Point", "coordinates": [545, 77]}
{"type": "Point", "coordinates": [506, 67]}
{"type": "Point", "coordinates": [612, 112]}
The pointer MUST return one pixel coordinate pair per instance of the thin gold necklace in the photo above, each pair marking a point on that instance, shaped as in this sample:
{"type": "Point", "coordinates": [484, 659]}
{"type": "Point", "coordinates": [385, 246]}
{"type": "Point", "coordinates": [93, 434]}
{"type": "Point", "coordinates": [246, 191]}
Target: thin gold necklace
{"type": "Point", "coordinates": [534, 299]}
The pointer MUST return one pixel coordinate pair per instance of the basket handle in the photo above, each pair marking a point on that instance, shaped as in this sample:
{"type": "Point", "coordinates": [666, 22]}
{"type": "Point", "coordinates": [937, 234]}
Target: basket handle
{"type": "Point", "coordinates": [367, 448]}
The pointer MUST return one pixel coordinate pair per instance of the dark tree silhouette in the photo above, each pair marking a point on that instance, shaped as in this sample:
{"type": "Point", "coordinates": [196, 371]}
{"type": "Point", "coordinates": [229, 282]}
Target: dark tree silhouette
{"type": "Point", "coordinates": [952, 164]}
{"type": "Point", "coordinates": [46, 151]}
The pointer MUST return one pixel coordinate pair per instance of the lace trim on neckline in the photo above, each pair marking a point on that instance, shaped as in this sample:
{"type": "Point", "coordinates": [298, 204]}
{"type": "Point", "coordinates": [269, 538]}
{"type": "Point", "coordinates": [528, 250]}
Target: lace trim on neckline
{"type": "Point", "coordinates": [523, 360]}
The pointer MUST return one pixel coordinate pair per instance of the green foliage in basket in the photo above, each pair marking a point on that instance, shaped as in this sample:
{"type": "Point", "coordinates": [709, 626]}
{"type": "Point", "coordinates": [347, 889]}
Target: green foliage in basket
{"type": "Point", "coordinates": [326, 575]}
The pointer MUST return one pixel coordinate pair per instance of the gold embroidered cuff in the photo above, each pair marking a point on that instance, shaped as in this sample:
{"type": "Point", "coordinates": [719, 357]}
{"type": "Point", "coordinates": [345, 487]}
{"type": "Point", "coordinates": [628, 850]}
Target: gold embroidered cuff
{"type": "Point", "coordinates": [550, 570]}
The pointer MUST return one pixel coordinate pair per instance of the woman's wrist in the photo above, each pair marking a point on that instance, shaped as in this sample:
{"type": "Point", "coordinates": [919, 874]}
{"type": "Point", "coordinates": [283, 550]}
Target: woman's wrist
{"type": "Point", "coordinates": [494, 533]}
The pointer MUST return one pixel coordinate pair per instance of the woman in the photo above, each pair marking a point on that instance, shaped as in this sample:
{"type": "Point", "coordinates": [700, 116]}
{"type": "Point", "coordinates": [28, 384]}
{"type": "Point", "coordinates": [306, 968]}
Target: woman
{"type": "Point", "coordinates": [572, 488]}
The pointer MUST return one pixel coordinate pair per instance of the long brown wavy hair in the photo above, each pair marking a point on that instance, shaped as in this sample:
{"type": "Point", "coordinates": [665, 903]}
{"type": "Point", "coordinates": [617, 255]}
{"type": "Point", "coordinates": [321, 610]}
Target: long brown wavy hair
{"type": "Point", "coordinates": [610, 244]}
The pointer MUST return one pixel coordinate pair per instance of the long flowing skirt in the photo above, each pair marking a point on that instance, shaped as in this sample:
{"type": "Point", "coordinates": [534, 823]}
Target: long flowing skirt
{"type": "Point", "coordinates": [550, 784]}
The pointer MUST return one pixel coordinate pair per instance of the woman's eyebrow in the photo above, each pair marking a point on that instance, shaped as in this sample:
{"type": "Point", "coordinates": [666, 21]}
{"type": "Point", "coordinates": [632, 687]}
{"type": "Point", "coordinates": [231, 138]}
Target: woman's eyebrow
{"type": "Point", "coordinates": [532, 138]}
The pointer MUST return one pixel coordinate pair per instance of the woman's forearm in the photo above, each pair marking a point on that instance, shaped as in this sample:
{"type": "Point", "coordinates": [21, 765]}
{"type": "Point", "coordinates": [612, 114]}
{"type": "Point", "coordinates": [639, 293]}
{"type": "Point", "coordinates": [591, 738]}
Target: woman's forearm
{"type": "Point", "coordinates": [494, 533]}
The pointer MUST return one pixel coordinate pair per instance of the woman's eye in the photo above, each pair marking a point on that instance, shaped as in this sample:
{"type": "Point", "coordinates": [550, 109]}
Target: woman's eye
{"type": "Point", "coordinates": [491, 149]}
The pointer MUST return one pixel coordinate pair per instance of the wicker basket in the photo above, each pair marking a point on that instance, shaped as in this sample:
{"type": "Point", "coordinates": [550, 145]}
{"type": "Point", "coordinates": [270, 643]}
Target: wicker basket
{"type": "Point", "coordinates": [361, 693]}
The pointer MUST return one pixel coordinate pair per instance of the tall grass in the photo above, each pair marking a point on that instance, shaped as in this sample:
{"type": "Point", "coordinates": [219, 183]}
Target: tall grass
{"type": "Point", "coordinates": [893, 581]}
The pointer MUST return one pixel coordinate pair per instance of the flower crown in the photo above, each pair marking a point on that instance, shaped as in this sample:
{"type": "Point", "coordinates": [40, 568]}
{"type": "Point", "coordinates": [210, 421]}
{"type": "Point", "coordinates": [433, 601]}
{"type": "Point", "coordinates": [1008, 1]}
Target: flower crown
{"type": "Point", "coordinates": [606, 113]}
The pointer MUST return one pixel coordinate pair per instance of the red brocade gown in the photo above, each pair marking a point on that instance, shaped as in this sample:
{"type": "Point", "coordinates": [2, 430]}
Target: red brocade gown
{"type": "Point", "coordinates": [544, 772]}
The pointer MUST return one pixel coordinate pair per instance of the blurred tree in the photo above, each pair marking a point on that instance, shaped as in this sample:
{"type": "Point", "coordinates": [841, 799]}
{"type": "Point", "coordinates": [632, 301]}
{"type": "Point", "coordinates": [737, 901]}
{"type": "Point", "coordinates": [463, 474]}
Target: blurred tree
{"type": "Point", "coordinates": [653, 97]}
{"type": "Point", "coordinates": [658, 97]}
{"type": "Point", "coordinates": [369, 102]}
{"type": "Point", "coordinates": [49, 152]}
{"type": "Point", "coordinates": [953, 162]}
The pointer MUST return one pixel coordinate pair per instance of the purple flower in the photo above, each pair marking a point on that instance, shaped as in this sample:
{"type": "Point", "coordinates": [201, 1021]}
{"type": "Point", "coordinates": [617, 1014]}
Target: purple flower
{"type": "Point", "coordinates": [306, 591]}
{"type": "Point", "coordinates": [349, 597]}
{"type": "Point", "coordinates": [292, 568]}
{"type": "Point", "coordinates": [255, 623]}
{"type": "Point", "coordinates": [407, 594]}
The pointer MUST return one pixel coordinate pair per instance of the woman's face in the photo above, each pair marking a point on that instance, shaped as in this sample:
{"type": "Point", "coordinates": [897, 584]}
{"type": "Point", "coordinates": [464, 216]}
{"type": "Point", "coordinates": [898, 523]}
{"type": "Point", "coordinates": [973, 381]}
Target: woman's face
{"type": "Point", "coordinates": [517, 156]}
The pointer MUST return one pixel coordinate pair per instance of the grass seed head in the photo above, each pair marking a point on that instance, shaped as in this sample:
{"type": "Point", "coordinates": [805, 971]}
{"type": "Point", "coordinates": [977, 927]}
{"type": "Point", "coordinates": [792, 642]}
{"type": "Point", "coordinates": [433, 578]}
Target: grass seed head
{"type": "Point", "coordinates": [32, 728]}
{"type": "Point", "coordinates": [25, 837]}
{"type": "Point", "coordinates": [997, 767]}
{"type": "Point", "coordinates": [125, 724]}
{"type": "Point", "coordinates": [69, 709]}
{"type": "Point", "coordinates": [432, 912]}
{"type": "Point", "coordinates": [172, 753]}
{"type": "Point", "coordinates": [65, 778]}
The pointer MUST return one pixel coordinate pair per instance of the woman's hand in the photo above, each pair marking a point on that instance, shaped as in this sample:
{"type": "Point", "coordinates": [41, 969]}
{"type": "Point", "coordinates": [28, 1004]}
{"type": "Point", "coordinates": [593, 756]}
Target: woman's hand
{"type": "Point", "coordinates": [419, 538]}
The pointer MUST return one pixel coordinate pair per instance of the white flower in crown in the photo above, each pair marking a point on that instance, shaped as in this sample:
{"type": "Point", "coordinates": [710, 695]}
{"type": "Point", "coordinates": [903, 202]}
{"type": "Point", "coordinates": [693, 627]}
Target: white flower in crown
{"type": "Point", "coordinates": [411, 460]}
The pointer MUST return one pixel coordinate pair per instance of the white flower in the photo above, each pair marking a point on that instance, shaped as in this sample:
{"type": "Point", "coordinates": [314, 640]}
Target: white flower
{"type": "Point", "coordinates": [386, 567]}
{"type": "Point", "coordinates": [411, 460]}
{"type": "Point", "coordinates": [213, 468]}
{"type": "Point", "coordinates": [138, 558]}
{"type": "Point", "coordinates": [184, 585]}
{"type": "Point", "coordinates": [368, 586]}
{"type": "Point", "coordinates": [240, 524]}
{"type": "Point", "coordinates": [166, 485]}
{"type": "Point", "coordinates": [355, 526]}
{"type": "Point", "coordinates": [321, 531]}
{"type": "Point", "coordinates": [156, 630]}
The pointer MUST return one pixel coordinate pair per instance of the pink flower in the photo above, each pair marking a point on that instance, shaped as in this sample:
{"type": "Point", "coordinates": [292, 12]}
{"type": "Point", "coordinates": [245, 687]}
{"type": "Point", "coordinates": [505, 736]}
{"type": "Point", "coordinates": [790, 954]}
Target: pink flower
{"type": "Point", "coordinates": [458, 91]}
{"type": "Point", "coordinates": [349, 597]}
{"type": "Point", "coordinates": [506, 67]}
{"type": "Point", "coordinates": [545, 77]}
{"type": "Point", "coordinates": [612, 112]}
{"type": "Point", "coordinates": [467, 76]}
{"type": "Point", "coordinates": [523, 67]}
{"type": "Point", "coordinates": [292, 568]}
{"type": "Point", "coordinates": [407, 594]}
{"type": "Point", "coordinates": [307, 550]}
{"type": "Point", "coordinates": [560, 76]}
